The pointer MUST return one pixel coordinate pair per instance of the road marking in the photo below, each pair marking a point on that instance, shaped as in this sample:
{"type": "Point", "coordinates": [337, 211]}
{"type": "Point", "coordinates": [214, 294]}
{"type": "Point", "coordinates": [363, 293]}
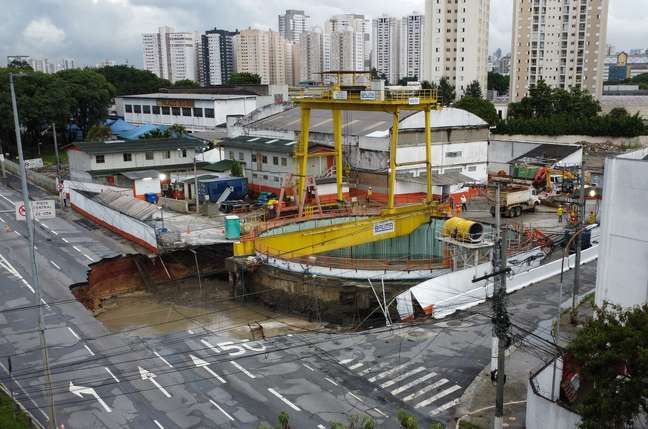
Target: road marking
{"type": "Point", "coordinates": [380, 412]}
{"type": "Point", "coordinates": [308, 367]}
{"type": "Point", "coordinates": [158, 424]}
{"type": "Point", "coordinates": [357, 365]}
{"type": "Point", "coordinates": [89, 350]}
{"type": "Point", "coordinates": [43, 225]}
{"type": "Point", "coordinates": [77, 249]}
{"type": "Point", "coordinates": [356, 397]}
{"type": "Point", "coordinates": [425, 389]}
{"type": "Point", "coordinates": [346, 361]}
{"type": "Point", "coordinates": [439, 395]}
{"type": "Point", "coordinates": [201, 363]}
{"type": "Point", "coordinates": [402, 377]}
{"type": "Point", "coordinates": [389, 372]}
{"type": "Point", "coordinates": [413, 383]}
{"type": "Point", "coordinates": [330, 381]}
{"type": "Point", "coordinates": [65, 240]}
{"type": "Point", "coordinates": [445, 406]}
{"type": "Point", "coordinates": [163, 360]}
{"type": "Point", "coordinates": [91, 260]}
{"type": "Point", "coordinates": [148, 375]}
{"type": "Point", "coordinates": [2, 220]}
{"type": "Point", "coordinates": [111, 374]}
{"type": "Point", "coordinates": [26, 283]}
{"type": "Point", "coordinates": [54, 263]}
{"type": "Point", "coordinates": [20, 235]}
{"type": "Point", "coordinates": [54, 232]}
{"type": "Point", "coordinates": [44, 303]}
{"type": "Point", "coordinates": [221, 410]}
{"type": "Point", "coordinates": [284, 400]}
{"type": "Point", "coordinates": [190, 332]}
{"type": "Point", "coordinates": [82, 390]}
{"type": "Point", "coordinates": [6, 199]}
{"type": "Point", "coordinates": [321, 427]}
{"type": "Point", "coordinates": [25, 392]}
{"type": "Point", "coordinates": [210, 345]}
{"type": "Point", "coordinates": [74, 333]}
{"type": "Point", "coordinates": [243, 370]}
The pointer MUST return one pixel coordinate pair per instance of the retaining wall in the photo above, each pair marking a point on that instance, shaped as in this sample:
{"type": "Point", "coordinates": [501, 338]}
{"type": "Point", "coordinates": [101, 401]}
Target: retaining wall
{"type": "Point", "coordinates": [33, 177]}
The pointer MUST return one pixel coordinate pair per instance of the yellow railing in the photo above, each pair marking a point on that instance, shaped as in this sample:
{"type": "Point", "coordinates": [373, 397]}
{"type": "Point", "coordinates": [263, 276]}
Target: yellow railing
{"type": "Point", "coordinates": [401, 95]}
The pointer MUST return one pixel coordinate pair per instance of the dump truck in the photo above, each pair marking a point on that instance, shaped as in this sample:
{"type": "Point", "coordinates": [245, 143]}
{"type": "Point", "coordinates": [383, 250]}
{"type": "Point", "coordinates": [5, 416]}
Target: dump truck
{"type": "Point", "coordinates": [514, 200]}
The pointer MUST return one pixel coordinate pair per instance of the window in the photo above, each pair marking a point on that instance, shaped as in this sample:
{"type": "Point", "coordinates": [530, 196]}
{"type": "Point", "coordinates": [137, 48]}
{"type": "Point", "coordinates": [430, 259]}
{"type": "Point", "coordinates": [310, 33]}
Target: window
{"type": "Point", "coordinates": [276, 179]}
{"type": "Point", "coordinates": [241, 156]}
{"type": "Point", "coordinates": [146, 109]}
{"type": "Point", "coordinates": [254, 157]}
{"type": "Point", "coordinates": [284, 161]}
{"type": "Point", "coordinates": [156, 110]}
{"type": "Point", "coordinates": [186, 111]}
{"type": "Point", "coordinates": [453, 154]}
{"type": "Point", "coordinates": [129, 108]}
{"type": "Point", "coordinates": [166, 155]}
{"type": "Point", "coordinates": [184, 153]}
{"type": "Point", "coordinates": [209, 113]}
{"type": "Point", "coordinates": [137, 108]}
{"type": "Point", "coordinates": [149, 156]}
{"type": "Point", "coordinates": [264, 159]}
{"type": "Point", "coordinates": [265, 177]}
{"type": "Point", "coordinates": [254, 175]}
{"type": "Point", "coordinates": [166, 110]}
{"type": "Point", "coordinates": [198, 112]}
{"type": "Point", "coordinates": [128, 157]}
{"type": "Point", "coordinates": [100, 159]}
{"type": "Point", "coordinates": [231, 155]}
{"type": "Point", "coordinates": [472, 168]}
{"type": "Point", "coordinates": [175, 111]}
{"type": "Point", "coordinates": [275, 160]}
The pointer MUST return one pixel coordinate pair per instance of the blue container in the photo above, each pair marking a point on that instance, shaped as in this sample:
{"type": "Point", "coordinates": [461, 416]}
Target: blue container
{"type": "Point", "coordinates": [214, 188]}
{"type": "Point", "coordinates": [232, 227]}
{"type": "Point", "coordinates": [151, 197]}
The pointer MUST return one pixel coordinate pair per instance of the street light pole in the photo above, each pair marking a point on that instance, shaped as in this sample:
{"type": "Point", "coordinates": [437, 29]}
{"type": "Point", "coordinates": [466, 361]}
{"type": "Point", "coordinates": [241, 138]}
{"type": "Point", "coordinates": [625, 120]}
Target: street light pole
{"type": "Point", "coordinates": [196, 185]}
{"type": "Point", "coordinates": [32, 255]}
{"type": "Point", "coordinates": [58, 166]}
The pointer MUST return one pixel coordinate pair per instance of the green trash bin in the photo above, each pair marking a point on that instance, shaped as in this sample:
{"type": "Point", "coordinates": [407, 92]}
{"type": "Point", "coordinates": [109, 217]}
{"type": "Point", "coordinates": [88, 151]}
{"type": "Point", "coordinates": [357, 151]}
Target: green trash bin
{"type": "Point", "coordinates": [232, 227]}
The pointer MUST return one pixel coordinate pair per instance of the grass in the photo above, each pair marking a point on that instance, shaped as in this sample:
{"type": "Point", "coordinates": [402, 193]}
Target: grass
{"type": "Point", "coordinates": [467, 425]}
{"type": "Point", "coordinates": [7, 419]}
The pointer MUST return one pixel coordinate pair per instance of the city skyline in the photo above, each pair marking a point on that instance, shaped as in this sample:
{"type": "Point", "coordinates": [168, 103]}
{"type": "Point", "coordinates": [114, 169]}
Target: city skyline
{"type": "Point", "coordinates": [55, 35]}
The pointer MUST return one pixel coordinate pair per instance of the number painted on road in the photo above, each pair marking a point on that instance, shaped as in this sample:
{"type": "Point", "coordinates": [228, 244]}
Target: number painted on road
{"type": "Point", "coordinates": [239, 349]}
{"type": "Point", "coordinates": [259, 348]}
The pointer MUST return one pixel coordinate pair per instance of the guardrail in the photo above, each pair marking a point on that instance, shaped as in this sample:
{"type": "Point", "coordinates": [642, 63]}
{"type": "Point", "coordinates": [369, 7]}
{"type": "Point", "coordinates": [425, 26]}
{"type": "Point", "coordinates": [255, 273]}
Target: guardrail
{"type": "Point", "coordinates": [404, 96]}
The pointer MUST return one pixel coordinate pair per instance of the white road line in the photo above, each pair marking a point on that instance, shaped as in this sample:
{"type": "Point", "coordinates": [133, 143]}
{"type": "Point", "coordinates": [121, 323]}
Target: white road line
{"type": "Point", "coordinates": [77, 249]}
{"type": "Point", "coordinates": [321, 427]}
{"type": "Point", "coordinates": [346, 361]}
{"type": "Point", "coordinates": [89, 350]}
{"type": "Point", "coordinates": [6, 199]}
{"type": "Point", "coordinates": [308, 367]}
{"type": "Point", "coordinates": [439, 395]}
{"type": "Point", "coordinates": [445, 406]}
{"type": "Point", "coordinates": [284, 400]}
{"type": "Point", "coordinates": [426, 389]}
{"type": "Point", "coordinates": [380, 412]}
{"type": "Point", "coordinates": [74, 333]}
{"type": "Point", "coordinates": [243, 370]}
{"type": "Point", "coordinates": [2, 220]}
{"type": "Point", "coordinates": [389, 372]}
{"type": "Point", "coordinates": [111, 374]}
{"type": "Point", "coordinates": [330, 381]}
{"type": "Point", "coordinates": [24, 391]}
{"type": "Point", "coordinates": [210, 345]}
{"type": "Point", "coordinates": [402, 377]}
{"type": "Point", "coordinates": [221, 410]}
{"type": "Point", "coordinates": [91, 260]}
{"type": "Point", "coordinates": [158, 424]}
{"type": "Point", "coordinates": [356, 397]}
{"type": "Point", "coordinates": [43, 225]}
{"type": "Point", "coordinates": [54, 263]}
{"type": "Point", "coordinates": [166, 362]}
{"type": "Point", "coordinates": [44, 303]}
{"type": "Point", "coordinates": [54, 232]}
{"type": "Point", "coordinates": [413, 383]}
{"type": "Point", "coordinates": [19, 234]}
{"type": "Point", "coordinates": [356, 366]}
{"type": "Point", "coordinates": [65, 240]}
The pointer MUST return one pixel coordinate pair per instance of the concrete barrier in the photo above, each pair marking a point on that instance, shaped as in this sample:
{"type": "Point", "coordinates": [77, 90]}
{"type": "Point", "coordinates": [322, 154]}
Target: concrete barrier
{"type": "Point", "coordinates": [33, 177]}
{"type": "Point", "coordinates": [181, 206]}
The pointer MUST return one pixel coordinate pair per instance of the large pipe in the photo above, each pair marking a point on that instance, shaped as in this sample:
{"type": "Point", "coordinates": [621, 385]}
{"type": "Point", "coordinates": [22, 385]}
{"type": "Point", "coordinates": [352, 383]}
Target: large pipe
{"type": "Point", "coordinates": [463, 230]}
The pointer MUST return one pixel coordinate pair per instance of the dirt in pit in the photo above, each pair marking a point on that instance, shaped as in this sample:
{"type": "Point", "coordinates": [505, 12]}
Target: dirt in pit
{"type": "Point", "coordinates": [184, 308]}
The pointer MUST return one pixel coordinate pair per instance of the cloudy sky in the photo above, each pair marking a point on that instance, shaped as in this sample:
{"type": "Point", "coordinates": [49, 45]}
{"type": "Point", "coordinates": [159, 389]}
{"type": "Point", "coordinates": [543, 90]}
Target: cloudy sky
{"type": "Point", "coordinates": [92, 30]}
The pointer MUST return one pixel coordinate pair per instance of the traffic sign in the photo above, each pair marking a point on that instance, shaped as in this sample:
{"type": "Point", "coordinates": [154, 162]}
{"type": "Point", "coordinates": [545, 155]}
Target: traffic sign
{"type": "Point", "coordinates": [43, 209]}
{"type": "Point", "coordinates": [31, 164]}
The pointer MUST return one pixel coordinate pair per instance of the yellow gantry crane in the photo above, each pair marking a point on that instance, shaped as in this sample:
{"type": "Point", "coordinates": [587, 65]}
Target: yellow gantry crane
{"type": "Point", "coordinates": [338, 99]}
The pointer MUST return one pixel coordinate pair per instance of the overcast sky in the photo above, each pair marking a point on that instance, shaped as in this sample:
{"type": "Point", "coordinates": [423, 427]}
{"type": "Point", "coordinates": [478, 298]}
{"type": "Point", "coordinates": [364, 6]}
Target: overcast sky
{"type": "Point", "coordinates": [91, 30]}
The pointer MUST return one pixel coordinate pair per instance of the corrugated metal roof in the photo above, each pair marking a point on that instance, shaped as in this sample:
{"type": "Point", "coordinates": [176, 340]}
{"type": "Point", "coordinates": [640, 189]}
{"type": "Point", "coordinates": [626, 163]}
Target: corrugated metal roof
{"type": "Point", "coordinates": [450, 178]}
{"type": "Point", "coordinates": [548, 153]}
{"type": "Point", "coordinates": [127, 205]}
{"type": "Point", "coordinates": [119, 146]}
{"type": "Point", "coordinates": [187, 96]}
{"type": "Point", "coordinates": [141, 174]}
{"type": "Point", "coordinates": [262, 144]}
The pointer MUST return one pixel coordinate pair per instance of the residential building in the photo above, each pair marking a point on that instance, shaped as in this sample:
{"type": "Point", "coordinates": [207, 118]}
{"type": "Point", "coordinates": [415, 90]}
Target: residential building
{"type": "Point", "coordinates": [292, 24]}
{"type": "Point", "coordinates": [456, 42]}
{"type": "Point", "coordinates": [265, 53]}
{"type": "Point", "coordinates": [217, 57]}
{"type": "Point", "coordinates": [105, 63]}
{"type": "Point", "coordinates": [18, 58]}
{"type": "Point", "coordinates": [621, 70]}
{"type": "Point", "coordinates": [637, 64]}
{"type": "Point", "coordinates": [196, 112]}
{"type": "Point", "coordinates": [308, 57]}
{"type": "Point", "coordinates": [412, 42]}
{"type": "Point", "coordinates": [559, 41]}
{"type": "Point", "coordinates": [385, 56]}
{"type": "Point", "coordinates": [353, 23]}
{"type": "Point", "coordinates": [503, 65]}
{"type": "Point", "coordinates": [173, 55]}
{"type": "Point", "coordinates": [343, 50]}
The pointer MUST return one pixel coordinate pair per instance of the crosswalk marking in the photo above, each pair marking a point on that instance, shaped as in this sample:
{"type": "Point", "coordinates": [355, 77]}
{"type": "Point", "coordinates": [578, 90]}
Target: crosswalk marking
{"type": "Point", "coordinates": [426, 389]}
{"type": "Point", "coordinates": [402, 377]}
{"type": "Point", "coordinates": [389, 372]}
{"type": "Point", "coordinates": [439, 395]}
{"type": "Point", "coordinates": [413, 383]}
{"type": "Point", "coordinates": [445, 406]}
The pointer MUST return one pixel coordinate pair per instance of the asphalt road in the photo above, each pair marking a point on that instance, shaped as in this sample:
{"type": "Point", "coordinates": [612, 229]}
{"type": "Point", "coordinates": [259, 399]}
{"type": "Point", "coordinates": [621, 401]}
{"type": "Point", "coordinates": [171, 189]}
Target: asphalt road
{"type": "Point", "coordinates": [203, 378]}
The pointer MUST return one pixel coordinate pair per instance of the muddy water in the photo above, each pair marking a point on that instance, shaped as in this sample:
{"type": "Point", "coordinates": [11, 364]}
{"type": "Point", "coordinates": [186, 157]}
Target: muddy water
{"type": "Point", "coordinates": [144, 314]}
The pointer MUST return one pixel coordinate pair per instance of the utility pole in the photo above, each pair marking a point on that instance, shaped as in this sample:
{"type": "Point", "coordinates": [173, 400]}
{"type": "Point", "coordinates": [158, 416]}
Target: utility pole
{"type": "Point", "coordinates": [32, 255]}
{"type": "Point", "coordinates": [579, 243]}
{"type": "Point", "coordinates": [58, 166]}
{"type": "Point", "coordinates": [196, 183]}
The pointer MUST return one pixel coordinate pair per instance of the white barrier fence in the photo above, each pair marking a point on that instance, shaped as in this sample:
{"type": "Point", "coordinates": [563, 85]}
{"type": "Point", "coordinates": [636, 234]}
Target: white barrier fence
{"type": "Point", "coordinates": [92, 187]}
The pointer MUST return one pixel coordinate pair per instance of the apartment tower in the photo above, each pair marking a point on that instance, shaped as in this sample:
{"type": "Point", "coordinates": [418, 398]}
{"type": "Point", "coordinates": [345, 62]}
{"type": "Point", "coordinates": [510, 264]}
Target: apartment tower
{"type": "Point", "coordinates": [217, 56]}
{"type": "Point", "coordinates": [292, 24]}
{"type": "Point", "coordinates": [385, 56]}
{"type": "Point", "coordinates": [172, 55]}
{"type": "Point", "coordinates": [265, 53]}
{"type": "Point", "coordinates": [412, 37]}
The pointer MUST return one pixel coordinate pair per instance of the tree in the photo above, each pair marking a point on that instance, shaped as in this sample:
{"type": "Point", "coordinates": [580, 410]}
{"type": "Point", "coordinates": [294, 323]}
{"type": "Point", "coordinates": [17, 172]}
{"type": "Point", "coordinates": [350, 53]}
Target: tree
{"type": "Point", "coordinates": [186, 83]}
{"type": "Point", "coordinates": [236, 169]}
{"type": "Point", "coordinates": [426, 84]}
{"type": "Point", "coordinates": [128, 80]}
{"type": "Point", "coordinates": [611, 351]}
{"type": "Point", "coordinates": [356, 422]}
{"type": "Point", "coordinates": [406, 420]}
{"type": "Point", "coordinates": [20, 65]}
{"type": "Point", "coordinates": [473, 90]}
{"type": "Point", "coordinates": [177, 130]}
{"type": "Point", "coordinates": [403, 81]}
{"type": "Point", "coordinates": [480, 107]}
{"type": "Point", "coordinates": [283, 420]}
{"type": "Point", "coordinates": [92, 95]}
{"type": "Point", "coordinates": [244, 79]}
{"type": "Point", "coordinates": [498, 82]}
{"type": "Point", "coordinates": [98, 133]}
{"type": "Point", "coordinates": [446, 91]}
{"type": "Point", "coordinates": [156, 134]}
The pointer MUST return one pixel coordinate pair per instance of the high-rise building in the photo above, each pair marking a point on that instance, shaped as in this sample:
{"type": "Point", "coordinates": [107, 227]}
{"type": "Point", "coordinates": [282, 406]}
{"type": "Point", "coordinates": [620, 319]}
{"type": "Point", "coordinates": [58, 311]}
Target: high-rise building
{"type": "Point", "coordinates": [292, 24]}
{"type": "Point", "coordinates": [172, 55]}
{"type": "Point", "coordinates": [343, 50]}
{"type": "Point", "coordinates": [265, 53]}
{"type": "Point", "coordinates": [456, 42]}
{"type": "Point", "coordinates": [412, 37]}
{"type": "Point", "coordinates": [308, 57]}
{"type": "Point", "coordinates": [386, 45]}
{"type": "Point", "coordinates": [353, 23]}
{"type": "Point", "coordinates": [559, 41]}
{"type": "Point", "coordinates": [217, 56]}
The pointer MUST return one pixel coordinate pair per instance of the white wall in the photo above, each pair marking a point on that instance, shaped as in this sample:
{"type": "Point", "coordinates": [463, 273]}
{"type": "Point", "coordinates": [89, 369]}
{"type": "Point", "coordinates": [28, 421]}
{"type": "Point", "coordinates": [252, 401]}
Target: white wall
{"type": "Point", "coordinates": [151, 186]}
{"type": "Point", "coordinates": [501, 152]}
{"type": "Point", "coordinates": [542, 413]}
{"type": "Point", "coordinates": [622, 272]}
{"type": "Point", "coordinates": [116, 160]}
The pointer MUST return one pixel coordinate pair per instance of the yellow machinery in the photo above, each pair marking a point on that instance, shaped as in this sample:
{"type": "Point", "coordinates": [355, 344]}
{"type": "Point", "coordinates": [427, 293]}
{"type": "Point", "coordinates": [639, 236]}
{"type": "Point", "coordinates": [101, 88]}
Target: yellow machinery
{"type": "Point", "coordinates": [463, 230]}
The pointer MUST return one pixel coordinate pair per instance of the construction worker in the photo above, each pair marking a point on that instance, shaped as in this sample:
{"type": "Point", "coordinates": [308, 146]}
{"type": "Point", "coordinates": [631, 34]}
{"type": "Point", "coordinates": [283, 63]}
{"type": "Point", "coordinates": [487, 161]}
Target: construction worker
{"type": "Point", "coordinates": [560, 211]}
{"type": "Point", "coordinates": [591, 220]}
{"type": "Point", "coordinates": [369, 193]}
{"type": "Point", "coordinates": [464, 202]}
